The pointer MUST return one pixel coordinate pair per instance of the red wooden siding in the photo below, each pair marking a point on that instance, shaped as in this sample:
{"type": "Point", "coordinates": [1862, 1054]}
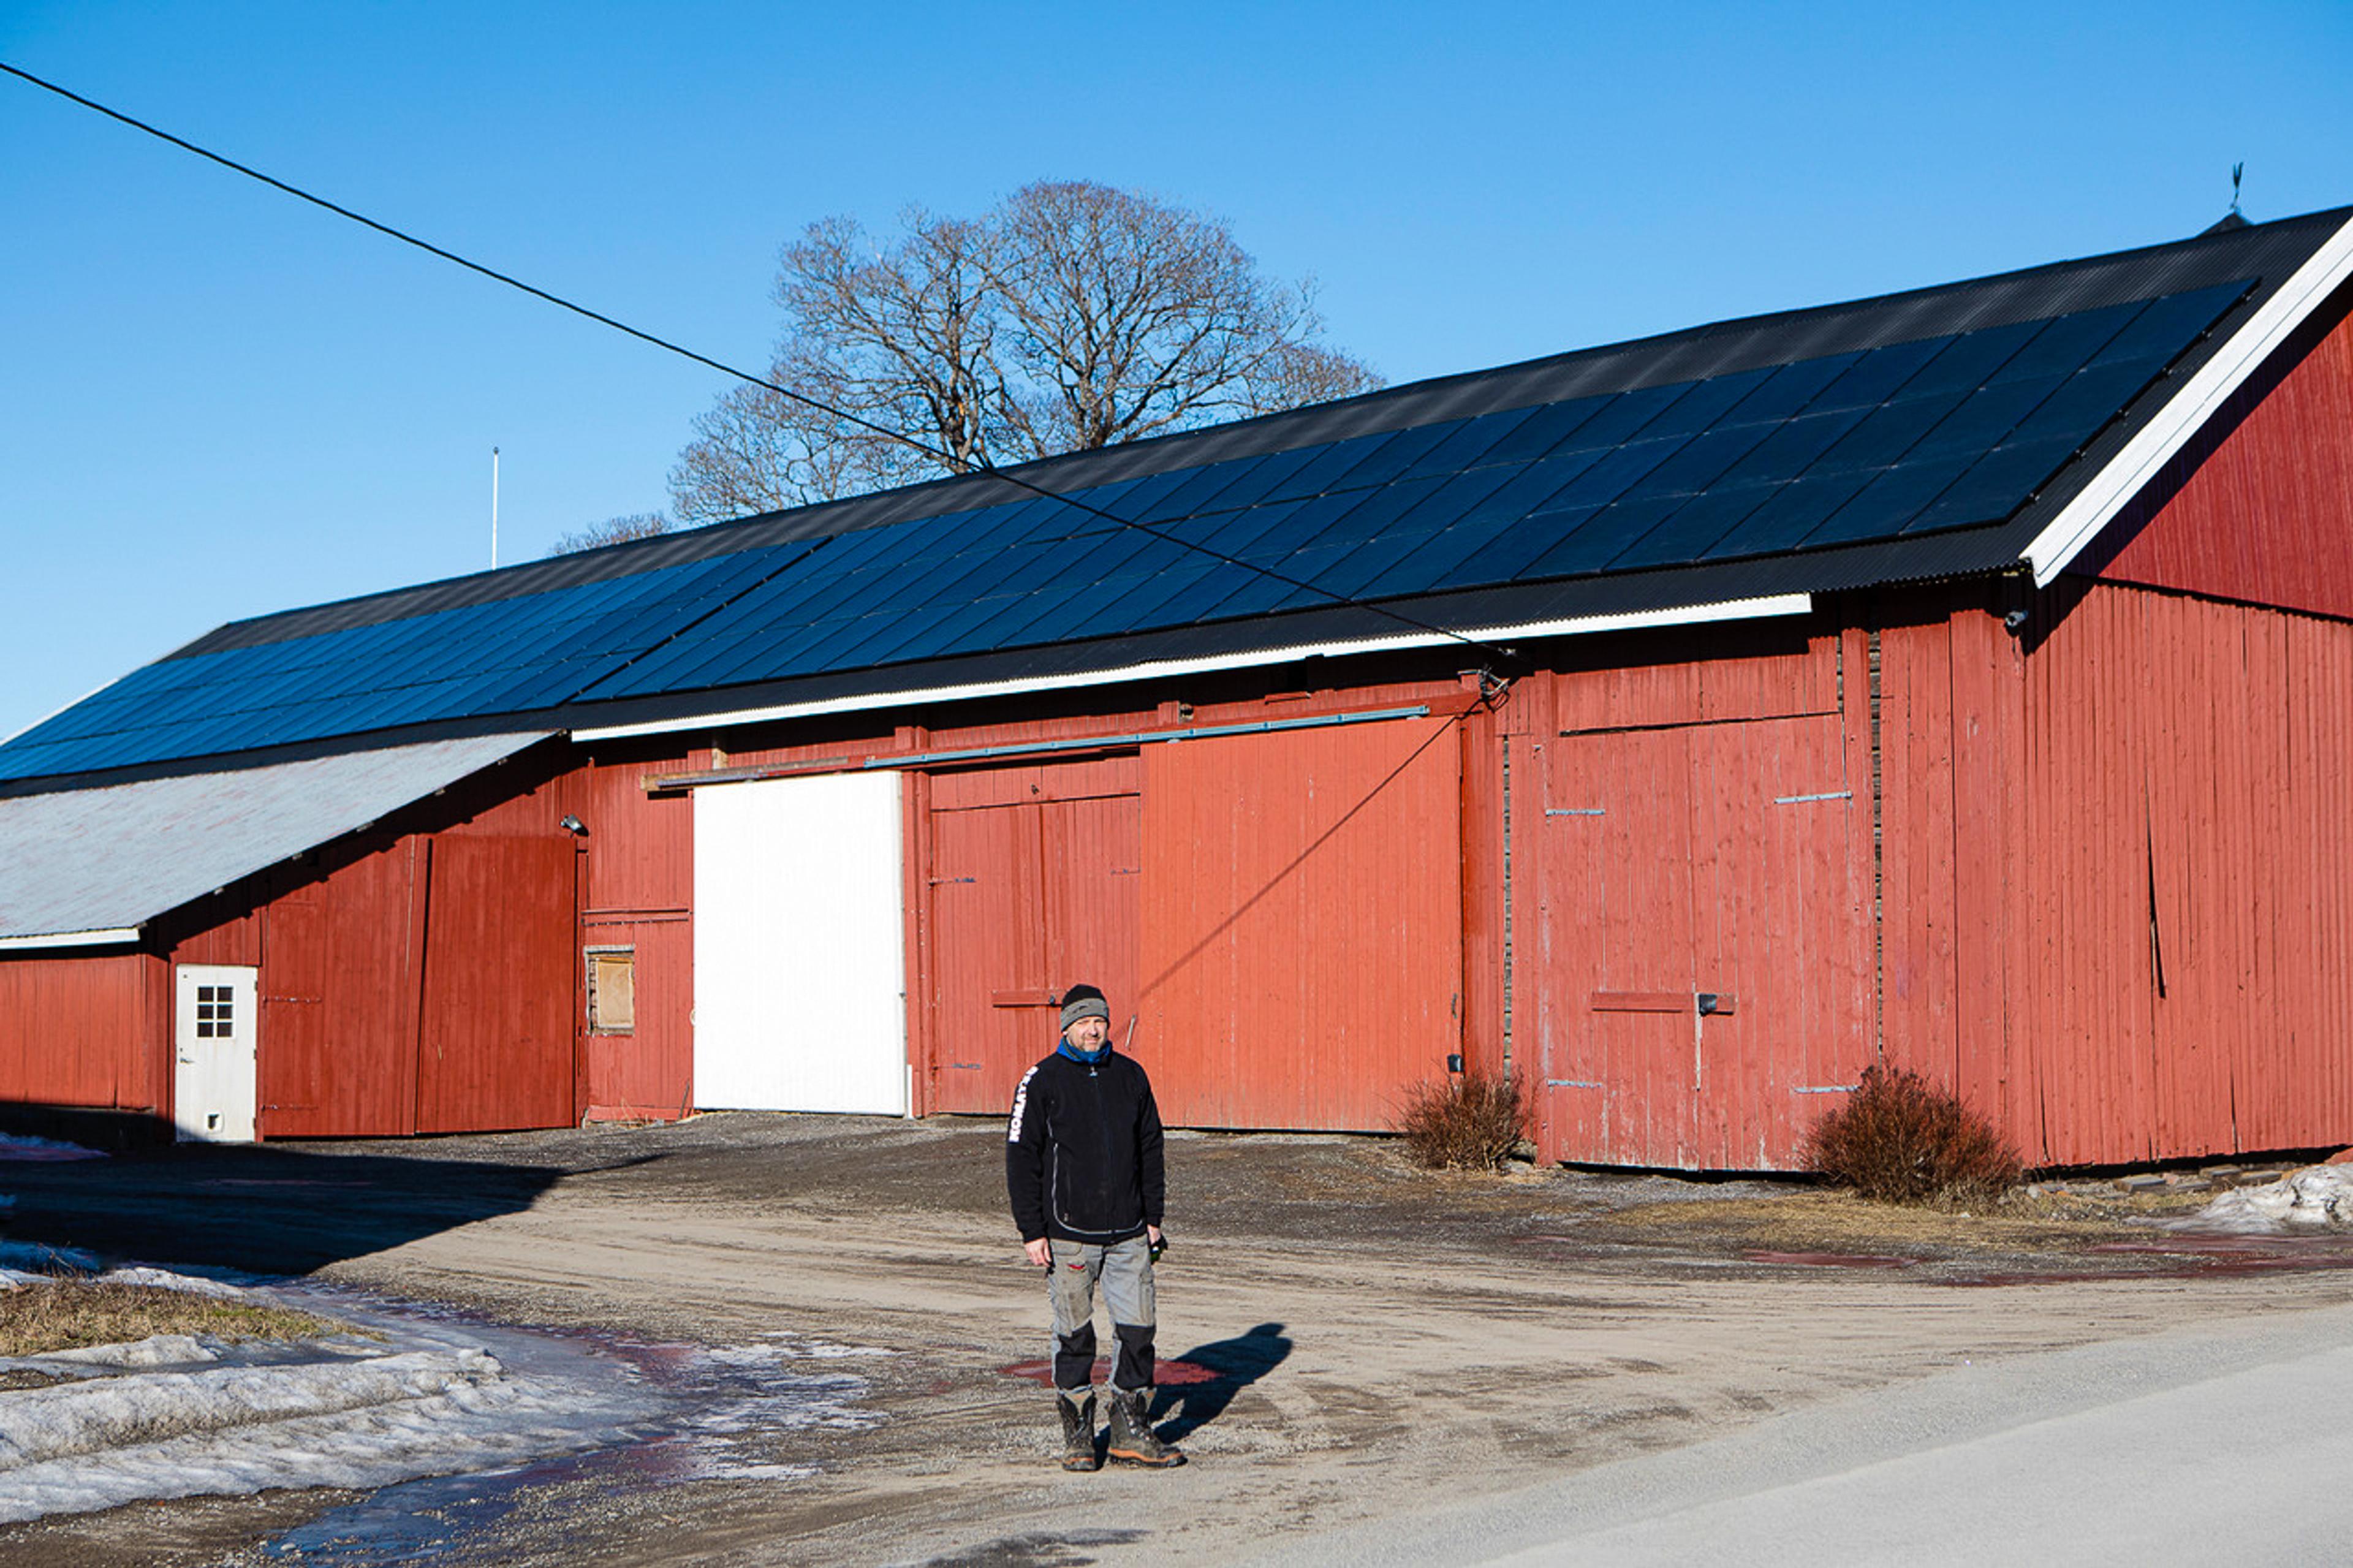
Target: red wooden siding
{"type": "Point", "coordinates": [425, 985]}
{"type": "Point", "coordinates": [2262, 512]}
{"type": "Point", "coordinates": [339, 986]}
{"type": "Point", "coordinates": [637, 886]}
{"type": "Point", "coordinates": [87, 1031]}
{"type": "Point", "coordinates": [1032, 886]}
{"type": "Point", "coordinates": [496, 1033]}
{"type": "Point", "coordinates": [1302, 923]}
{"type": "Point", "coordinates": [644, 1075]}
{"type": "Point", "coordinates": [2118, 873]}
{"type": "Point", "coordinates": [2188, 842]}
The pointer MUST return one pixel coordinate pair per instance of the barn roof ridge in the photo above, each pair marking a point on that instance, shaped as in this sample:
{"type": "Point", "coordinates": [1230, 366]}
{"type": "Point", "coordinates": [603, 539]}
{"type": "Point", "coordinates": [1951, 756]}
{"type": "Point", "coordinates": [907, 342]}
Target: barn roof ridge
{"type": "Point", "coordinates": [1936, 432]}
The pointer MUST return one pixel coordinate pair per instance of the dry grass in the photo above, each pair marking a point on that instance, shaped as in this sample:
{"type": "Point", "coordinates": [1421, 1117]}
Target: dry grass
{"type": "Point", "coordinates": [69, 1314]}
{"type": "Point", "coordinates": [1472, 1122]}
{"type": "Point", "coordinates": [1900, 1139]}
{"type": "Point", "coordinates": [1843, 1222]}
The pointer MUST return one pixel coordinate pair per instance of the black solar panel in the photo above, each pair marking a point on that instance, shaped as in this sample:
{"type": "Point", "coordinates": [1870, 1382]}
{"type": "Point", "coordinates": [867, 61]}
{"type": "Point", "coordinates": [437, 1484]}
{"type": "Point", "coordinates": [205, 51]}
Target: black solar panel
{"type": "Point", "coordinates": [1946, 432]}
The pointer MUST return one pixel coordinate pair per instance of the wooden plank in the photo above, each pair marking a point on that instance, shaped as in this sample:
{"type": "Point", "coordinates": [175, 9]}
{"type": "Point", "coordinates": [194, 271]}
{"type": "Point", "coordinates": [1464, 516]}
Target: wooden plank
{"type": "Point", "coordinates": [1642, 1002]}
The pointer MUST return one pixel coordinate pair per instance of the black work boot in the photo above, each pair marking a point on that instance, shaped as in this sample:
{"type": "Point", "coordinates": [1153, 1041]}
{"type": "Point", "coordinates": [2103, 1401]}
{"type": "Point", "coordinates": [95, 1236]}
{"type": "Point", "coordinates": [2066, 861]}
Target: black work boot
{"type": "Point", "coordinates": [1131, 1442]}
{"type": "Point", "coordinates": [1078, 1430]}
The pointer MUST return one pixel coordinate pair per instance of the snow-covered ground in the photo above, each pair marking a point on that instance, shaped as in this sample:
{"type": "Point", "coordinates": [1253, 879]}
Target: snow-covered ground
{"type": "Point", "coordinates": [2316, 1197]}
{"type": "Point", "coordinates": [431, 1393]}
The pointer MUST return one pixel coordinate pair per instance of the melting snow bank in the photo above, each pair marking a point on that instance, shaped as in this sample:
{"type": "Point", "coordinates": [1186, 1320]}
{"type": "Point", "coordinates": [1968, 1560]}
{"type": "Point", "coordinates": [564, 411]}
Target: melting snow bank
{"type": "Point", "coordinates": [2317, 1196]}
{"type": "Point", "coordinates": [175, 1416]}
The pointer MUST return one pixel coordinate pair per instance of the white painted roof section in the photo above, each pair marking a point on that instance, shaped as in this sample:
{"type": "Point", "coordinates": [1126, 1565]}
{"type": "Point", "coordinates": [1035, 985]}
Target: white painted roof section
{"type": "Point", "coordinates": [1688, 614]}
{"type": "Point", "coordinates": [90, 867]}
{"type": "Point", "coordinates": [2081, 520]}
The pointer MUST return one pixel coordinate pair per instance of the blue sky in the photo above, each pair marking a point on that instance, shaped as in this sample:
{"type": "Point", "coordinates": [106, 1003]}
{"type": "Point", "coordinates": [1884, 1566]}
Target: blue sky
{"type": "Point", "coordinates": [218, 402]}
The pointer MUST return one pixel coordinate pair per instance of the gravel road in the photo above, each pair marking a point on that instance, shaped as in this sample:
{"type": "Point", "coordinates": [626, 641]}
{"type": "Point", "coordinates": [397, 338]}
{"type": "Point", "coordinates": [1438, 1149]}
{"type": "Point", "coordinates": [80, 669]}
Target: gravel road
{"type": "Point", "coordinates": [1373, 1342]}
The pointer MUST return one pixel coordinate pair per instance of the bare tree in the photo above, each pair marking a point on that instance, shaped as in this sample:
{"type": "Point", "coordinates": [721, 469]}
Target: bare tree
{"type": "Point", "coordinates": [612, 530]}
{"type": "Point", "coordinates": [1070, 316]}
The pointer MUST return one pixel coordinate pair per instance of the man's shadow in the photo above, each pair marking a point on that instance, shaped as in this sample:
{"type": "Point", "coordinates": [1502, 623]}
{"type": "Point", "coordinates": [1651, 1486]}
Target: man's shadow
{"type": "Point", "coordinates": [1187, 1407]}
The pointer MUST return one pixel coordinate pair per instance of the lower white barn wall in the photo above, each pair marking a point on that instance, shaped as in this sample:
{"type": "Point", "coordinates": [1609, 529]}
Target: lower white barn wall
{"type": "Point", "coordinates": [799, 960]}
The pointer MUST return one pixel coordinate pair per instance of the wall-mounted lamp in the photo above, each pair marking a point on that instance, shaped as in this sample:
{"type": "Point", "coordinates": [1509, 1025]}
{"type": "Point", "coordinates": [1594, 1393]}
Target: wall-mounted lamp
{"type": "Point", "coordinates": [573, 825]}
{"type": "Point", "coordinates": [2015, 619]}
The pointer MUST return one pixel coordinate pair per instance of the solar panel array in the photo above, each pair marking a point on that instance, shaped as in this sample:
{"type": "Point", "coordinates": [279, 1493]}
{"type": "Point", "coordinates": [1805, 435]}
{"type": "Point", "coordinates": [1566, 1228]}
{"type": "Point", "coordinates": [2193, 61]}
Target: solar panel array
{"type": "Point", "coordinates": [1941, 433]}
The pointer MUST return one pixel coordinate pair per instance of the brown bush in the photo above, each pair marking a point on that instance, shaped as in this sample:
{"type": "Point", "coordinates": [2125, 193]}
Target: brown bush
{"type": "Point", "coordinates": [1901, 1139]}
{"type": "Point", "coordinates": [1470, 1122]}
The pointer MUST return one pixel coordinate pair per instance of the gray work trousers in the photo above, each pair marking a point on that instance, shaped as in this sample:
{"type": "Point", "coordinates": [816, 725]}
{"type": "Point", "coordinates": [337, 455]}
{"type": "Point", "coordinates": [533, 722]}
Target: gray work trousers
{"type": "Point", "coordinates": [1124, 1268]}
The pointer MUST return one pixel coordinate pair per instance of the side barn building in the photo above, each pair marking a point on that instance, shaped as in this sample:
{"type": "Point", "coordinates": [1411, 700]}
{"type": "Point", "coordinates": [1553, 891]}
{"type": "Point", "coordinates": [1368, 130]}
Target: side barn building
{"type": "Point", "coordinates": [1961, 678]}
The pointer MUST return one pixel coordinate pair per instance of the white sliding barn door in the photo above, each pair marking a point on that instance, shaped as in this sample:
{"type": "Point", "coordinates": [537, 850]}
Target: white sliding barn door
{"type": "Point", "coordinates": [799, 960]}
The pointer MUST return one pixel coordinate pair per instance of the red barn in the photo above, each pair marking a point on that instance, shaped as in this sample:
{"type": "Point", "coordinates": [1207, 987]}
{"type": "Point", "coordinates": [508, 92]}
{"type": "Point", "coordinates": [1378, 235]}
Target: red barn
{"type": "Point", "coordinates": [1958, 679]}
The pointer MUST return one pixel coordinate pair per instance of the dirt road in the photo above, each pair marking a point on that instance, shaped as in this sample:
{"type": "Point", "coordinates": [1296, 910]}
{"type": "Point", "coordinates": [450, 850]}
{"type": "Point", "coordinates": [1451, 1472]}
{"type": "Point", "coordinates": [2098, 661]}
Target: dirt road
{"type": "Point", "coordinates": [1370, 1340]}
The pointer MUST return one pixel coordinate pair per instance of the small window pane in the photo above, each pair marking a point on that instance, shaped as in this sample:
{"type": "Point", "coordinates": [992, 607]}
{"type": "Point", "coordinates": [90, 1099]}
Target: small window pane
{"type": "Point", "coordinates": [612, 991]}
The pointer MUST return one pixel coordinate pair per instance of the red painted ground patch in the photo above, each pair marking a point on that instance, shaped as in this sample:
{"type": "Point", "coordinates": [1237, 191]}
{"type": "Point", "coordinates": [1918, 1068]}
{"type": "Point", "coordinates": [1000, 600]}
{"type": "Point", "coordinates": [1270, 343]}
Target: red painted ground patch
{"type": "Point", "coordinates": [1170, 1374]}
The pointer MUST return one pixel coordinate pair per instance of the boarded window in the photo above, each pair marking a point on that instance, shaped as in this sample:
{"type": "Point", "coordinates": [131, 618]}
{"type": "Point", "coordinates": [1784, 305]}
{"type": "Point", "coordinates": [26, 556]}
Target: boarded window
{"type": "Point", "coordinates": [612, 989]}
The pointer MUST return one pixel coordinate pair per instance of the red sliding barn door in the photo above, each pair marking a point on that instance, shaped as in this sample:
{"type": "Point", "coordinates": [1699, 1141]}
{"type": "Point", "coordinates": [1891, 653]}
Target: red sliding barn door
{"type": "Point", "coordinates": [1701, 967]}
{"type": "Point", "coordinates": [1032, 887]}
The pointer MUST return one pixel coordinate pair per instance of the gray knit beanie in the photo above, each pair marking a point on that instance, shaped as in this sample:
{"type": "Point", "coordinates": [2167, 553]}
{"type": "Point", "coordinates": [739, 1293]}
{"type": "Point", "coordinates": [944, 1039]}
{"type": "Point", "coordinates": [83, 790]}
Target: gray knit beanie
{"type": "Point", "coordinates": [1083, 1001]}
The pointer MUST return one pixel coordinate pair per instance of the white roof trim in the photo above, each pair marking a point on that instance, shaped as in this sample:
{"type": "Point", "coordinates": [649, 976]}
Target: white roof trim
{"type": "Point", "coordinates": [2080, 522]}
{"type": "Point", "coordinates": [74, 939]}
{"type": "Point", "coordinates": [1688, 614]}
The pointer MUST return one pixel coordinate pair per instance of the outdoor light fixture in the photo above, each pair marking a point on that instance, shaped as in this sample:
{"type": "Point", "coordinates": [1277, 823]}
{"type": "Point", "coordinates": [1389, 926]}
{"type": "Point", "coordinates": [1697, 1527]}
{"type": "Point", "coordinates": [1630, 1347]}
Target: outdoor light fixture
{"type": "Point", "coordinates": [573, 825]}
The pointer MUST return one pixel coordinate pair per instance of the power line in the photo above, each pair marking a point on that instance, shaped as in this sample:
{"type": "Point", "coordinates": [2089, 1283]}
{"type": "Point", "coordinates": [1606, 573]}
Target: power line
{"type": "Point", "coordinates": [1340, 600]}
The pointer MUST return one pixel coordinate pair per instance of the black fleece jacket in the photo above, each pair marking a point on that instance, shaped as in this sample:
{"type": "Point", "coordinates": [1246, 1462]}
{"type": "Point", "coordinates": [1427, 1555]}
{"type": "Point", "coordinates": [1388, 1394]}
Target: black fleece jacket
{"type": "Point", "coordinates": [1082, 1152]}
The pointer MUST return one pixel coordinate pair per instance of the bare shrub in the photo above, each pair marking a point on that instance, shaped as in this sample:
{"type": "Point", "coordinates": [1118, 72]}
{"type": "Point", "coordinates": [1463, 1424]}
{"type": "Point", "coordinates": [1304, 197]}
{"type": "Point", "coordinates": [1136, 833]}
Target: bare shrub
{"type": "Point", "coordinates": [1901, 1139]}
{"type": "Point", "coordinates": [1470, 1122]}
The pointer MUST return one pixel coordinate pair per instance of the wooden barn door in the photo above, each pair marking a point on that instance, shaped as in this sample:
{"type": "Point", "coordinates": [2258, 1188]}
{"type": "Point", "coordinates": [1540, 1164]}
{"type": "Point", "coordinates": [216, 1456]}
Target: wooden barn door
{"type": "Point", "coordinates": [1303, 923]}
{"type": "Point", "coordinates": [1702, 958]}
{"type": "Point", "coordinates": [1032, 887]}
{"type": "Point", "coordinates": [495, 1036]}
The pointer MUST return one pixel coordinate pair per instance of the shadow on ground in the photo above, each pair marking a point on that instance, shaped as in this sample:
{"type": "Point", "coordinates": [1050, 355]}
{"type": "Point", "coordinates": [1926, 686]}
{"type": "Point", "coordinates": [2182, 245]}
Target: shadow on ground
{"type": "Point", "coordinates": [268, 1210]}
{"type": "Point", "coordinates": [1185, 1408]}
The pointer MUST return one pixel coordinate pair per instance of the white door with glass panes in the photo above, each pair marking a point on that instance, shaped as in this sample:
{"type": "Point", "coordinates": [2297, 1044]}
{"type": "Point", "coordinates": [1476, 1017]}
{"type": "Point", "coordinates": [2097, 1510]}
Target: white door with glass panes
{"type": "Point", "coordinates": [213, 1084]}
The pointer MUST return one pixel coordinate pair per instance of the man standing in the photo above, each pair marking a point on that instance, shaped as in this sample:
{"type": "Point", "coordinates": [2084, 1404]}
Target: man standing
{"type": "Point", "coordinates": [1082, 1167]}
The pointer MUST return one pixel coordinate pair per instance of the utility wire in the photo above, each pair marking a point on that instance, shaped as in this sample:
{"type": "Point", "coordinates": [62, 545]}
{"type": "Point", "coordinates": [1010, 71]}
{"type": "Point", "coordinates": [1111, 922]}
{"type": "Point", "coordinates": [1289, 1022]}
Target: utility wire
{"type": "Point", "coordinates": [1341, 600]}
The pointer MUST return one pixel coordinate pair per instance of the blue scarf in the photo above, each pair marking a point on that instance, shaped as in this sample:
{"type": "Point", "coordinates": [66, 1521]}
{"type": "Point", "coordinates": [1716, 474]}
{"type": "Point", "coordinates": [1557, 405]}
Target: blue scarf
{"type": "Point", "coordinates": [1064, 1047]}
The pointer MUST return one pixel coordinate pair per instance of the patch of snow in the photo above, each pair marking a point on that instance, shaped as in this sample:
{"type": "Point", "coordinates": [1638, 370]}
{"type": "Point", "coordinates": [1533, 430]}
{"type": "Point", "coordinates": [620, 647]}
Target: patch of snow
{"type": "Point", "coordinates": [2312, 1198]}
{"type": "Point", "coordinates": [155, 1421]}
{"type": "Point", "coordinates": [788, 1347]}
{"type": "Point", "coordinates": [18, 1146]}
{"type": "Point", "coordinates": [166, 1279]}
{"type": "Point", "coordinates": [728, 1438]}
{"type": "Point", "coordinates": [46, 1260]}
{"type": "Point", "coordinates": [157, 1349]}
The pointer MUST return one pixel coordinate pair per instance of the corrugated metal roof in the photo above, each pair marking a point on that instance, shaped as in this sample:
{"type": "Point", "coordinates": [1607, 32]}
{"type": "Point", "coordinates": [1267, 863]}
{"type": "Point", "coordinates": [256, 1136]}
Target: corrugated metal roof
{"type": "Point", "coordinates": [1930, 433]}
{"type": "Point", "coordinates": [111, 858]}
